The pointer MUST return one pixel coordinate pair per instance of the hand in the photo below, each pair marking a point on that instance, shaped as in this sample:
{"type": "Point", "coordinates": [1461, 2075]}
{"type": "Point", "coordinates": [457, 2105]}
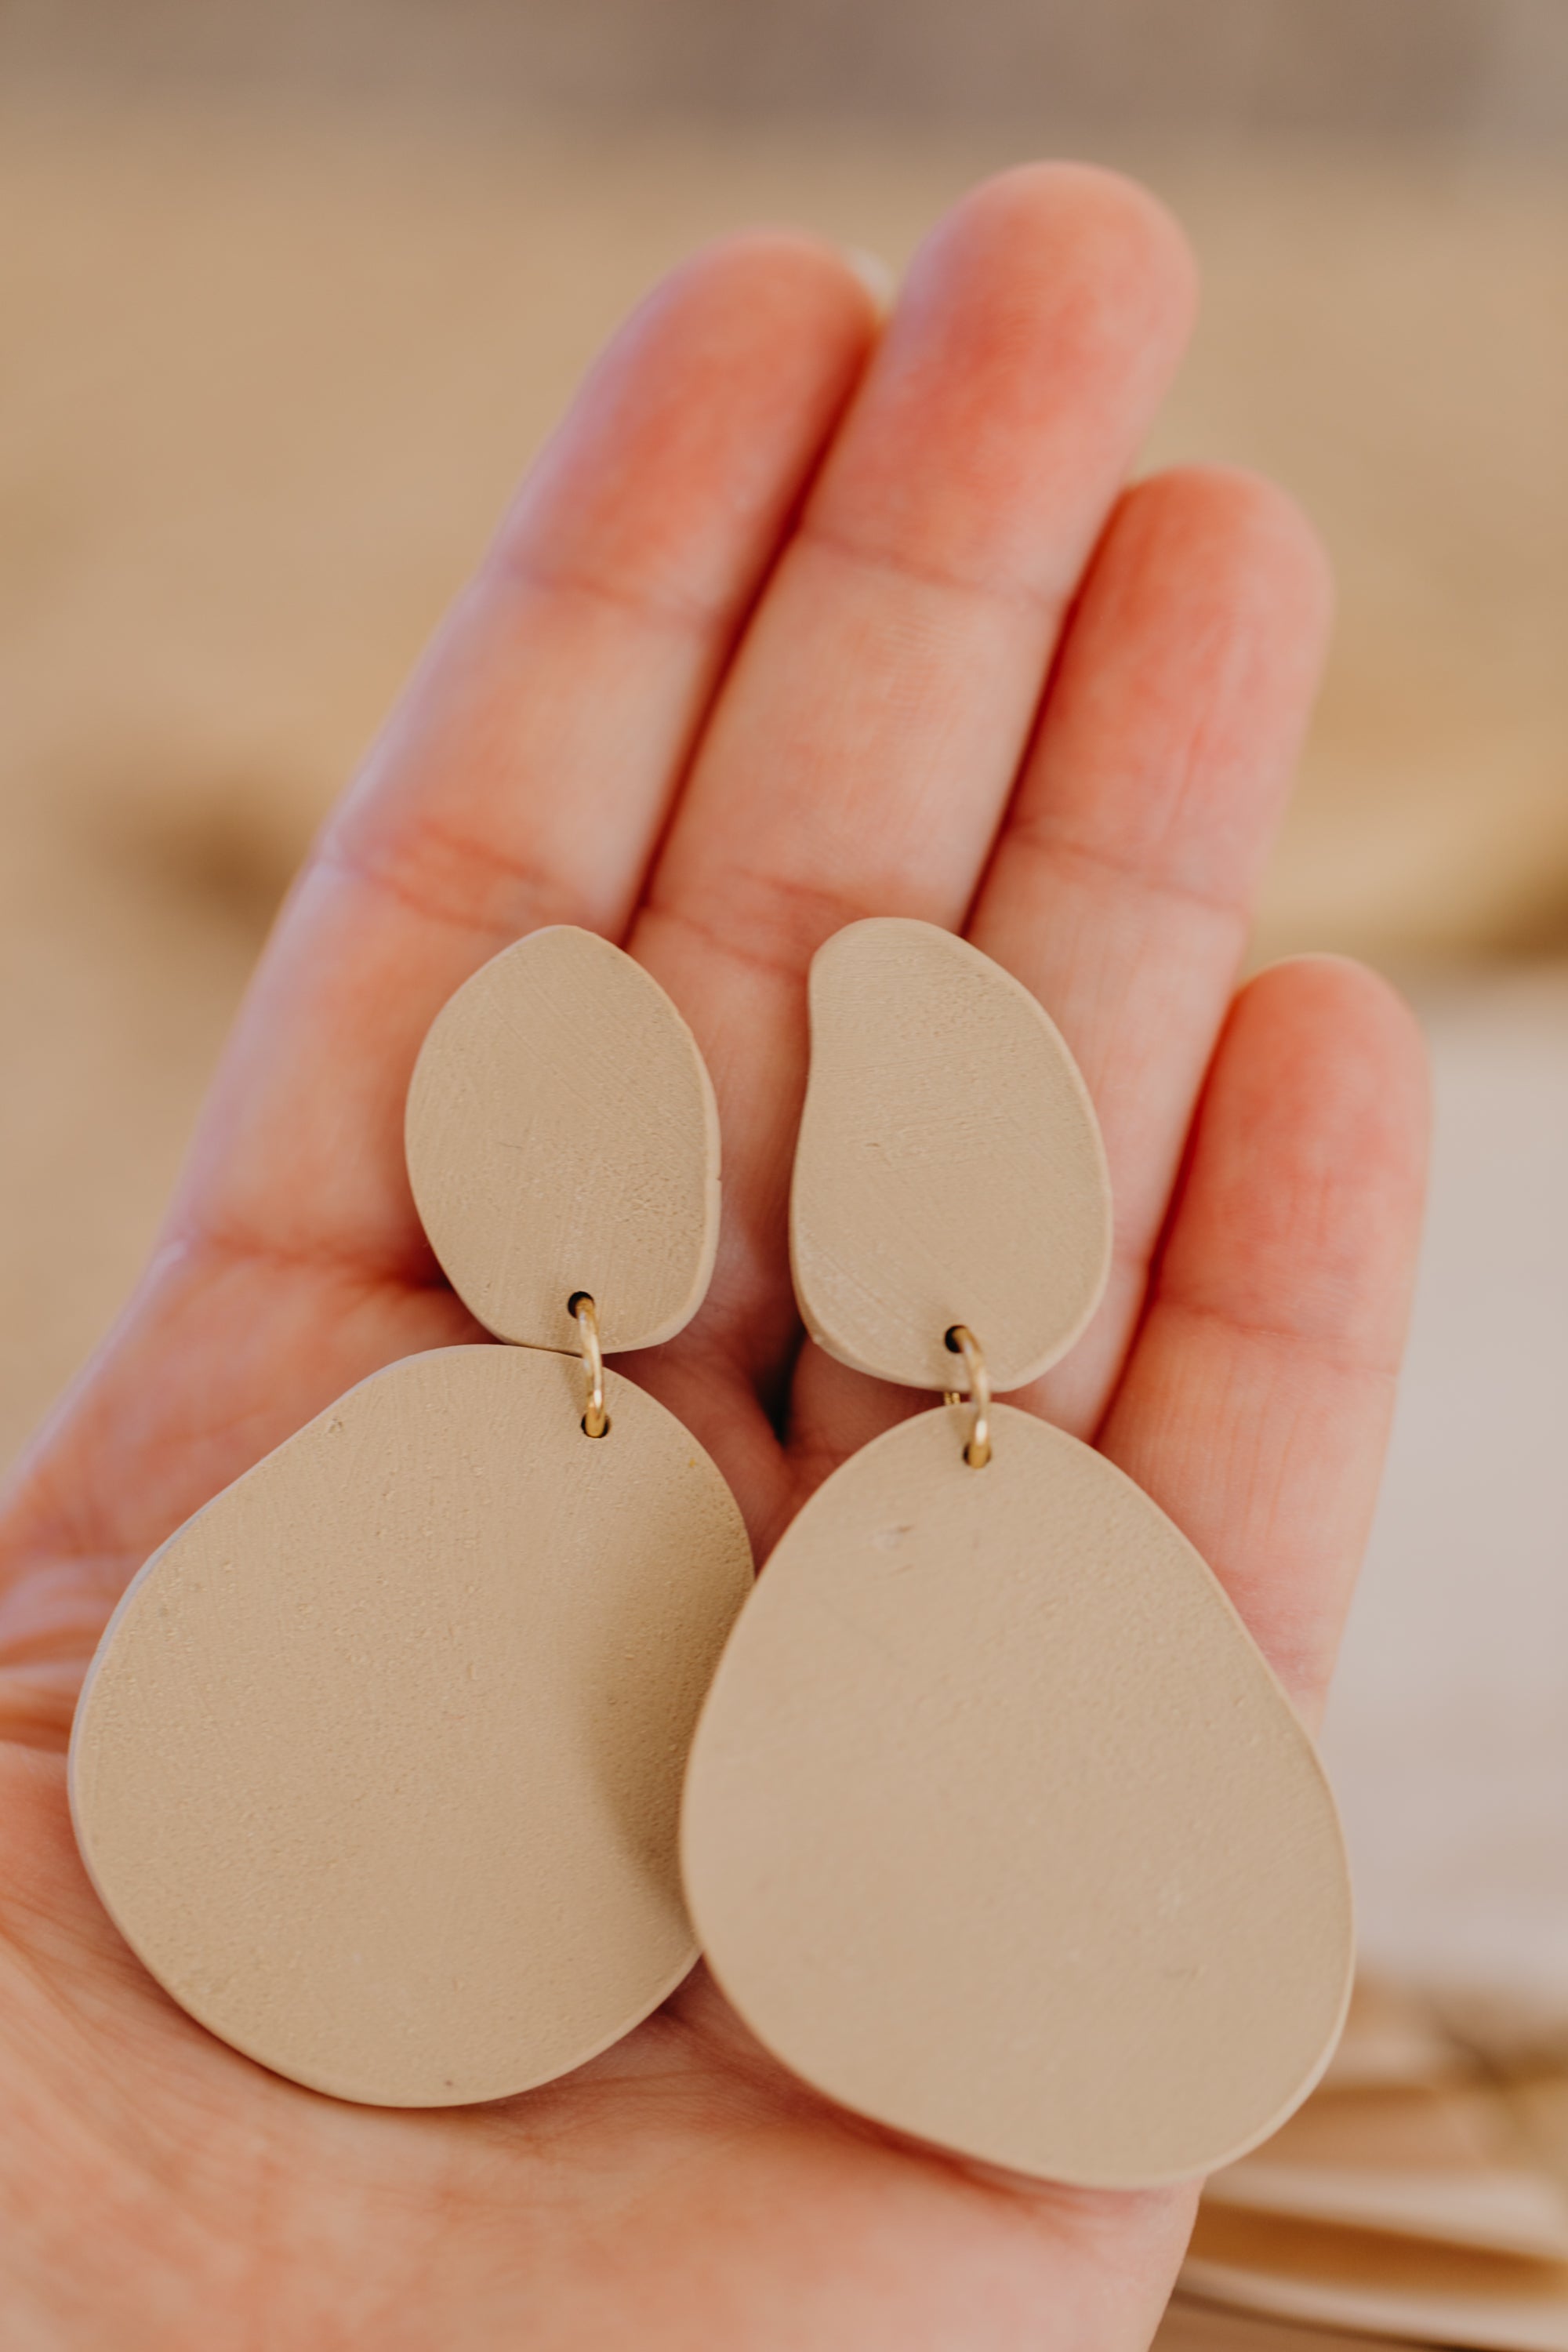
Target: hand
{"type": "Point", "coordinates": [791, 623]}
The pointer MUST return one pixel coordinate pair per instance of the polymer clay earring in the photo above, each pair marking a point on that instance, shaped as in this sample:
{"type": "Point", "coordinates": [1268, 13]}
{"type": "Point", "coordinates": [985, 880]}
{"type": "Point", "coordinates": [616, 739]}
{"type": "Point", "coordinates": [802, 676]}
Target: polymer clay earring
{"type": "Point", "coordinates": [997, 1828]}
{"type": "Point", "coordinates": [378, 1765]}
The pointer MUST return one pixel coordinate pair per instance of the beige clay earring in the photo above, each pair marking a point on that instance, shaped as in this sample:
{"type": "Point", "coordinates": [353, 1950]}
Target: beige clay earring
{"type": "Point", "coordinates": [997, 1828]}
{"type": "Point", "coordinates": [378, 1765]}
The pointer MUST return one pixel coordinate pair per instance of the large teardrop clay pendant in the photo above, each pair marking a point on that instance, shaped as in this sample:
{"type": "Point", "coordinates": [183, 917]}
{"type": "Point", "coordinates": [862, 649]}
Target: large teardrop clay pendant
{"type": "Point", "coordinates": [378, 1765]}
{"type": "Point", "coordinates": [998, 1829]}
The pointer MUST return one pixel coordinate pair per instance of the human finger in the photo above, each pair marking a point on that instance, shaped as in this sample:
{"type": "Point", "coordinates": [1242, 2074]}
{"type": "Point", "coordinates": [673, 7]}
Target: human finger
{"type": "Point", "coordinates": [530, 769]}
{"type": "Point", "coordinates": [1122, 889]}
{"type": "Point", "coordinates": [1256, 1404]}
{"type": "Point", "coordinates": [867, 738]}
{"type": "Point", "coordinates": [1121, 886]}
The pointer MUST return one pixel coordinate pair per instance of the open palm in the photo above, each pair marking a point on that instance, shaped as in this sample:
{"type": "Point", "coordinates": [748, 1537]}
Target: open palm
{"type": "Point", "coordinates": [794, 622]}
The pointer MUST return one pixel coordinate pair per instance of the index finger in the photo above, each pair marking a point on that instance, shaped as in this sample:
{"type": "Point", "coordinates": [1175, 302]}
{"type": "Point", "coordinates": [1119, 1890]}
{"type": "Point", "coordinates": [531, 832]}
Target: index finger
{"type": "Point", "coordinates": [527, 773]}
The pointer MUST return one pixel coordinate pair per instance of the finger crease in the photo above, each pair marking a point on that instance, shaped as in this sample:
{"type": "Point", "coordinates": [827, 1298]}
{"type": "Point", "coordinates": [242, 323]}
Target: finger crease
{"type": "Point", "coordinates": [821, 913]}
{"type": "Point", "coordinates": [1057, 847]}
{"type": "Point", "coordinates": [1048, 603]}
{"type": "Point", "coordinates": [1279, 1335]}
{"type": "Point", "coordinates": [418, 1271]}
{"type": "Point", "coordinates": [541, 896]}
{"type": "Point", "coordinates": [689, 615]}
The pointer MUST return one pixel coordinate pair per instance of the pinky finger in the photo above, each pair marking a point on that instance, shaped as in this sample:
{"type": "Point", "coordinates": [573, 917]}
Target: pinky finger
{"type": "Point", "coordinates": [1255, 1405]}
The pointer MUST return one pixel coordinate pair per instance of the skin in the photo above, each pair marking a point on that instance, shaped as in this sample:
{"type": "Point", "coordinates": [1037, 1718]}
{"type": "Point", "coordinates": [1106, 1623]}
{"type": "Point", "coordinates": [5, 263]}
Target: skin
{"type": "Point", "coordinates": [799, 618]}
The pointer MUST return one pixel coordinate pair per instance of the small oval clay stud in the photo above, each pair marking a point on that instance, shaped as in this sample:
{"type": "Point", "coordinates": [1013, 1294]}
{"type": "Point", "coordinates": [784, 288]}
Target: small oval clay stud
{"type": "Point", "coordinates": [949, 1168]}
{"type": "Point", "coordinates": [560, 1116]}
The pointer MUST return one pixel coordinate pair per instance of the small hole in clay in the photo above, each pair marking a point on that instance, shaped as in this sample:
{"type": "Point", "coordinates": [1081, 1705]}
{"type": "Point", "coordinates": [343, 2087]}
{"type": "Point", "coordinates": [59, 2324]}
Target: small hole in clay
{"type": "Point", "coordinates": [951, 1341]}
{"type": "Point", "coordinates": [591, 1433]}
{"type": "Point", "coordinates": [578, 1298]}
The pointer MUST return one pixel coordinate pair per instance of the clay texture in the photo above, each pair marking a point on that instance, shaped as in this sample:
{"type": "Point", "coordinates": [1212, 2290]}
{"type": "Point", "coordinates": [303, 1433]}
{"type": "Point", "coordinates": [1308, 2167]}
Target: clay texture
{"type": "Point", "coordinates": [378, 1766]}
{"type": "Point", "coordinates": [561, 1135]}
{"type": "Point", "coordinates": [999, 1831]}
{"type": "Point", "coordinates": [949, 1168]}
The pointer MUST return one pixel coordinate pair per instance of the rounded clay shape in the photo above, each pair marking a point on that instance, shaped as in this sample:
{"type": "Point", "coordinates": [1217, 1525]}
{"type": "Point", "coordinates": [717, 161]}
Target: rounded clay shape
{"type": "Point", "coordinates": [378, 1765]}
{"type": "Point", "coordinates": [999, 1831]}
{"type": "Point", "coordinates": [950, 1167]}
{"type": "Point", "coordinates": [562, 1137]}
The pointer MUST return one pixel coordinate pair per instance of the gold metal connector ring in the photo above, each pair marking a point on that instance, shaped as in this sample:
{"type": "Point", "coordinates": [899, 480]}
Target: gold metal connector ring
{"type": "Point", "coordinates": [962, 1340]}
{"type": "Point", "coordinates": [595, 1420]}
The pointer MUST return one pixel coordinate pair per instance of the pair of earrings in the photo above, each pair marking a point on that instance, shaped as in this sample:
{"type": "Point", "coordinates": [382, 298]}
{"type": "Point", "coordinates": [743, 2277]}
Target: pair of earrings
{"type": "Point", "coordinates": [419, 1764]}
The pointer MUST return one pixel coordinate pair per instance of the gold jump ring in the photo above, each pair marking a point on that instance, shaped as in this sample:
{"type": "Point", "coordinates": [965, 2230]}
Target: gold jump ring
{"type": "Point", "coordinates": [595, 1421]}
{"type": "Point", "coordinates": [963, 1342]}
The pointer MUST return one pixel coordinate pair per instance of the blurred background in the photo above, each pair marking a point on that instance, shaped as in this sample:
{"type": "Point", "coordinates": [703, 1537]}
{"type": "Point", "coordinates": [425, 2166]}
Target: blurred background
{"type": "Point", "coordinates": [290, 293]}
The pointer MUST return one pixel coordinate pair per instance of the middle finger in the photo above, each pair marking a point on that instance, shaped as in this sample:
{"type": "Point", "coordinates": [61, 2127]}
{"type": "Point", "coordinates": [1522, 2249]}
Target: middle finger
{"type": "Point", "coordinates": [864, 749]}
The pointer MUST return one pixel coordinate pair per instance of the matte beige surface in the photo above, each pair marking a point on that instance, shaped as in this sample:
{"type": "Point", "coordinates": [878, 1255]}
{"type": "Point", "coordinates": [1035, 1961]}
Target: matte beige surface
{"type": "Point", "coordinates": [1504, 2210]}
{"type": "Point", "coordinates": [378, 1765]}
{"type": "Point", "coordinates": [1539, 2105]}
{"type": "Point", "coordinates": [998, 1829]}
{"type": "Point", "coordinates": [1393, 2040]}
{"type": "Point", "coordinates": [561, 1135]}
{"type": "Point", "coordinates": [1190, 2326]}
{"type": "Point", "coordinates": [949, 1168]}
{"type": "Point", "coordinates": [1388, 2286]}
{"type": "Point", "coordinates": [1445, 2164]}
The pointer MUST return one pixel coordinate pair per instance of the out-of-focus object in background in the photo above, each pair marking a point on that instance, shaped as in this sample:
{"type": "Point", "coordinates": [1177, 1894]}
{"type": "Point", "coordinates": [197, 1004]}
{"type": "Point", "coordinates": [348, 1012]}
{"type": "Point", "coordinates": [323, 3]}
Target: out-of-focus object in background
{"type": "Point", "coordinates": [1420, 2194]}
{"type": "Point", "coordinates": [274, 374]}
{"type": "Point", "coordinates": [1448, 1729]}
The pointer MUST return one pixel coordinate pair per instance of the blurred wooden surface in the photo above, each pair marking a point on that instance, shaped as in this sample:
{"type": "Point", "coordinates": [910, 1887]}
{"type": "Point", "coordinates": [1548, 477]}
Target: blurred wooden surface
{"type": "Point", "coordinates": [272, 370]}
{"type": "Point", "coordinates": [1489, 70]}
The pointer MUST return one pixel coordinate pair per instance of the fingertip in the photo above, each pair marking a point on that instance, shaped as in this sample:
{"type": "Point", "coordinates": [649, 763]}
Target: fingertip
{"type": "Point", "coordinates": [1335, 1003]}
{"type": "Point", "coordinates": [878, 278]}
{"type": "Point", "coordinates": [1033, 336]}
{"type": "Point", "coordinates": [776, 279]}
{"type": "Point", "coordinates": [1338, 1062]}
{"type": "Point", "coordinates": [1083, 225]}
{"type": "Point", "coordinates": [1183, 689]}
{"type": "Point", "coordinates": [1262, 515]}
{"type": "Point", "coordinates": [699, 423]}
{"type": "Point", "coordinates": [1224, 525]}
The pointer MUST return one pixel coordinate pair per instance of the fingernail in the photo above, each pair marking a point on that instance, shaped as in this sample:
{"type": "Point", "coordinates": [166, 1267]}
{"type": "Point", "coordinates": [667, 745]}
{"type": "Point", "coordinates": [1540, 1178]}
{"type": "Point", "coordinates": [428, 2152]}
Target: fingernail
{"type": "Point", "coordinates": [875, 275]}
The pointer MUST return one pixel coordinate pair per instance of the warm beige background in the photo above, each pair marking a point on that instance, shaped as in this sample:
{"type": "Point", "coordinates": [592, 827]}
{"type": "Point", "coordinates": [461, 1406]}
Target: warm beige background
{"type": "Point", "coordinates": [272, 371]}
